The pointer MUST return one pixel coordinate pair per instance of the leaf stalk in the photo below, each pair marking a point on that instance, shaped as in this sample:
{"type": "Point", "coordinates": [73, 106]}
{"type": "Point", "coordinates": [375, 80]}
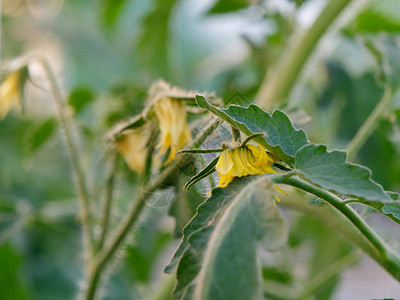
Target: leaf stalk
{"type": "Point", "coordinates": [369, 125]}
{"type": "Point", "coordinates": [278, 83]}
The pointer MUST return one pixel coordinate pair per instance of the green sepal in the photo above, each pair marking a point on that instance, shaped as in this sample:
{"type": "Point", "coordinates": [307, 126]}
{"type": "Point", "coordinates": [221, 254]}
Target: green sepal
{"type": "Point", "coordinates": [202, 174]}
{"type": "Point", "coordinates": [199, 151]}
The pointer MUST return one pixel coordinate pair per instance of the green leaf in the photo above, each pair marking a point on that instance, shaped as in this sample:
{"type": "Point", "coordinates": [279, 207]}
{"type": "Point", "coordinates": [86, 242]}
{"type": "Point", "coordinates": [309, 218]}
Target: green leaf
{"type": "Point", "coordinates": [203, 216]}
{"type": "Point", "coordinates": [390, 210]}
{"type": "Point", "coordinates": [227, 6]}
{"type": "Point", "coordinates": [79, 98]}
{"type": "Point", "coordinates": [281, 138]}
{"type": "Point", "coordinates": [217, 257]}
{"type": "Point", "coordinates": [41, 134]}
{"type": "Point", "coordinates": [394, 196]}
{"type": "Point", "coordinates": [330, 170]}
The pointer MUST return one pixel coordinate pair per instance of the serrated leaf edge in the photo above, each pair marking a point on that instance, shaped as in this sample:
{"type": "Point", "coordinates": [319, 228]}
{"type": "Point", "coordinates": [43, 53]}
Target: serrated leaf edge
{"type": "Point", "coordinates": [368, 173]}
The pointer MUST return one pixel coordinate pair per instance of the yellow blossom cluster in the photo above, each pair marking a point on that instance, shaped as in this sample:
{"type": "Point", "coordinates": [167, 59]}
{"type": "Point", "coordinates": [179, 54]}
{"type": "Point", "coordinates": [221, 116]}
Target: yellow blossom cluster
{"type": "Point", "coordinates": [243, 161]}
{"type": "Point", "coordinates": [174, 134]}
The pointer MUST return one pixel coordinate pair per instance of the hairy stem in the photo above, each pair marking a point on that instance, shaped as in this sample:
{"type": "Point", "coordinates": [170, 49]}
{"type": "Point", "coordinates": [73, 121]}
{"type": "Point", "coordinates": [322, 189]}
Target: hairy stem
{"type": "Point", "coordinates": [79, 177]}
{"type": "Point", "coordinates": [386, 257]}
{"type": "Point", "coordinates": [278, 83]}
{"type": "Point", "coordinates": [369, 125]}
{"type": "Point", "coordinates": [106, 208]}
{"type": "Point", "coordinates": [107, 253]}
{"type": "Point", "coordinates": [336, 268]}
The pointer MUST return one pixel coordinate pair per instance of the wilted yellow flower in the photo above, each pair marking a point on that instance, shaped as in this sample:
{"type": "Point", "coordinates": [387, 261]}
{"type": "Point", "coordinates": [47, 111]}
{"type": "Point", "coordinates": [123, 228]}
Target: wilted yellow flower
{"type": "Point", "coordinates": [132, 146]}
{"type": "Point", "coordinates": [243, 161]}
{"type": "Point", "coordinates": [175, 133]}
{"type": "Point", "coordinates": [10, 94]}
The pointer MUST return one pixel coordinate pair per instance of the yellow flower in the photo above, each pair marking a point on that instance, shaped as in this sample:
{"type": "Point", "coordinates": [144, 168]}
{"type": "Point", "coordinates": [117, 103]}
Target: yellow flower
{"type": "Point", "coordinates": [132, 146]}
{"type": "Point", "coordinates": [175, 133]}
{"type": "Point", "coordinates": [10, 94]}
{"type": "Point", "coordinates": [243, 161]}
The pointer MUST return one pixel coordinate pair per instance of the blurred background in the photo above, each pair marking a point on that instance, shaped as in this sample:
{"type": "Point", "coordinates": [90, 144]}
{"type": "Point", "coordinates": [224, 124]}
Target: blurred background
{"type": "Point", "coordinates": [107, 53]}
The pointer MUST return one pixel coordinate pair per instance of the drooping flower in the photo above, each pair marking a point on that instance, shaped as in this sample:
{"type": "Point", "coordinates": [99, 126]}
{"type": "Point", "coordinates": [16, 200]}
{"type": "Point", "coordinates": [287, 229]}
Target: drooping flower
{"type": "Point", "coordinates": [132, 146]}
{"type": "Point", "coordinates": [10, 94]}
{"type": "Point", "coordinates": [243, 161]}
{"type": "Point", "coordinates": [175, 133]}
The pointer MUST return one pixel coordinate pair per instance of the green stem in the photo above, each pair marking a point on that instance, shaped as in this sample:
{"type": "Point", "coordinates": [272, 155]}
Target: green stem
{"type": "Point", "coordinates": [369, 125]}
{"type": "Point", "coordinates": [106, 208]}
{"type": "Point", "coordinates": [388, 259]}
{"type": "Point", "coordinates": [107, 253]}
{"type": "Point", "coordinates": [278, 83]}
{"type": "Point", "coordinates": [72, 148]}
{"type": "Point", "coordinates": [328, 273]}
{"type": "Point", "coordinates": [251, 137]}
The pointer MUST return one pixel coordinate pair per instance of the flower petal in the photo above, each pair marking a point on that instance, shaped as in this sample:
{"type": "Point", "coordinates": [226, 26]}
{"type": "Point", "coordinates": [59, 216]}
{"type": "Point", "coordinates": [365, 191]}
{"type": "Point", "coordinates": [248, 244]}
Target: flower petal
{"type": "Point", "coordinates": [225, 163]}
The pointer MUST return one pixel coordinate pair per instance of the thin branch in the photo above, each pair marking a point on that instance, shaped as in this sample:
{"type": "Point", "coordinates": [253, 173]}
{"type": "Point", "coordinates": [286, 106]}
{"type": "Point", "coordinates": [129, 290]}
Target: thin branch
{"type": "Point", "coordinates": [369, 125]}
{"type": "Point", "coordinates": [79, 177]}
{"type": "Point", "coordinates": [251, 137]}
{"type": "Point", "coordinates": [106, 208]}
{"type": "Point", "coordinates": [328, 273]}
{"type": "Point", "coordinates": [278, 83]}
